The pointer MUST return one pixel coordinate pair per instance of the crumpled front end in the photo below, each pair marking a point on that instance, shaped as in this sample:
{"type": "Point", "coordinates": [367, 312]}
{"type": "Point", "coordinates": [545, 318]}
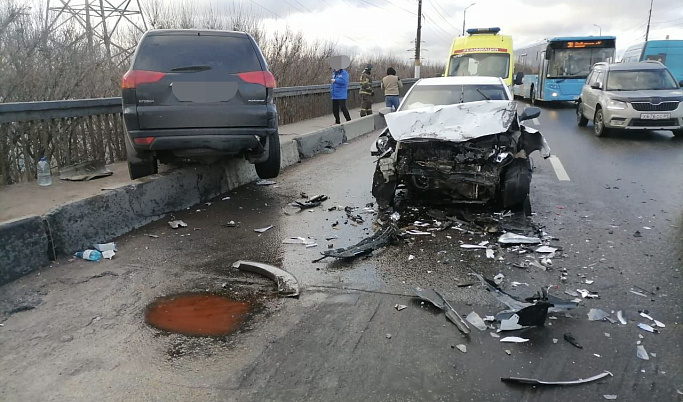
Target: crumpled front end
{"type": "Point", "coordinates": [468, 172]}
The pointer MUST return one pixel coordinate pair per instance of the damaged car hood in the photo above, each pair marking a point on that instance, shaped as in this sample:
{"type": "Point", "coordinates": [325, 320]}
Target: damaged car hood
{"type": "Point", "coordinates": [456, 123]}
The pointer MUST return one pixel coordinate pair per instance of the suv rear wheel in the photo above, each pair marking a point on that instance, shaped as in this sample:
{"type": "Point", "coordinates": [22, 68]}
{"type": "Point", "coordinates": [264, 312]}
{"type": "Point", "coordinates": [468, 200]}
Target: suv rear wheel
{"type": "Point", "coordinates": [581, 120]}
{"type": "Point", "coordinates": [271, 167]}
{"type": "Point", "coordinates": [599, 124]}
{"type": "Point", "coordinates": [140, 164]}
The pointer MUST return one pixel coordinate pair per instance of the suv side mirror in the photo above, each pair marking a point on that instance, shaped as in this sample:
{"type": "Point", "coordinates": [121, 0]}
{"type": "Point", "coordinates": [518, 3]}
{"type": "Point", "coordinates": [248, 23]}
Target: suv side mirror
{"type": "Point", "coordinates": [596, 85]}
{"type": "Point", "coordinates": [530, 113]}
{"type": "Point", "coordinates": [518, 78]}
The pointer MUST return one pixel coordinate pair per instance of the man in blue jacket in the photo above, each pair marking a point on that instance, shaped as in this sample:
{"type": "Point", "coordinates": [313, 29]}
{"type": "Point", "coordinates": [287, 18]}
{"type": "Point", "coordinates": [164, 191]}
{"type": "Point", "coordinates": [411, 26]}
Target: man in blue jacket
{"type": "Point", "coordinates": [339, 89]}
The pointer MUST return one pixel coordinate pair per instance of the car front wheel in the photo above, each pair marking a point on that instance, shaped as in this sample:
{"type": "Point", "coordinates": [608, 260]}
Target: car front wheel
{"type": "Point", "coordinates": [581, 120]}
{"type": "Point", "coordinates": [271, 167]}
{"type": "Point", "coordinates": [516, 185]}
{"type": "Point", "coordinates": [599, 124]}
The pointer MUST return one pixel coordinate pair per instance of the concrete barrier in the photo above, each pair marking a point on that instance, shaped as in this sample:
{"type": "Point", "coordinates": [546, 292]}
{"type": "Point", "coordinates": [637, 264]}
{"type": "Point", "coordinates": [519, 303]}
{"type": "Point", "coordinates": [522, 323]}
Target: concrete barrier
{"type": "Point", "coordinates": [23, 247]}
{"type": "Point", "coordinates": [24, 243]}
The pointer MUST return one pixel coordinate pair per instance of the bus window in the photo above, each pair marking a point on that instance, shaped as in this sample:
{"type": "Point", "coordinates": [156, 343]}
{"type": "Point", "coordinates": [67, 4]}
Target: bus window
{"type": "Point", "coordinates": [576, 62]}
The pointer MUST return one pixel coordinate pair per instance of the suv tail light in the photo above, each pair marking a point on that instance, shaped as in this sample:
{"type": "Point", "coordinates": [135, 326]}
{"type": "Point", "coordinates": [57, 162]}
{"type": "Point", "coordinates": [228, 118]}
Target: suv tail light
{"type": "Point", "coordinates": [143, 140]}
{"type": "Point", "coordinates": [133, 78]}
{"type": "Point", "coordinates": [264, 78]}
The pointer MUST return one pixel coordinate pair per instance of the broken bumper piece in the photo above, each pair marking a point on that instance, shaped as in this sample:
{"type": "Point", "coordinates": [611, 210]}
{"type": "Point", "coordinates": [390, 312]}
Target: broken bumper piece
{"type": "Point", "coordinates": [287, 285]}
{"type": "Point", "coordinates": [532, 381]}
{"type": "Point", "coordinates": [380, 239]}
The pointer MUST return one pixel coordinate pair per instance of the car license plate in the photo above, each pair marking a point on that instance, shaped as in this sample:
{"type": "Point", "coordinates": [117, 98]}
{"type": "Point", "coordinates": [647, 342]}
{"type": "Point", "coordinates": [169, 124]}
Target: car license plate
{"type": "Point", "coordinates": [654, 116]}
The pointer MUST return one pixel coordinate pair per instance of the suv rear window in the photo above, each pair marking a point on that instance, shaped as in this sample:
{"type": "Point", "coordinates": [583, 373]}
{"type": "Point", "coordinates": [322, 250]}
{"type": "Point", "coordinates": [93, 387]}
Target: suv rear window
{"type": "Point", "coordinates": [637, 80]}
{"type": "Point", "coordinates": [164, 53]}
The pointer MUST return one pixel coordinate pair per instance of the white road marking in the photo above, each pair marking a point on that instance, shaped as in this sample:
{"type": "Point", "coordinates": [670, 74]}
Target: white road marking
{"type": "Point", "coordinates": [559, 169]}
{"type": "Point", "coordinates": [536, 122]}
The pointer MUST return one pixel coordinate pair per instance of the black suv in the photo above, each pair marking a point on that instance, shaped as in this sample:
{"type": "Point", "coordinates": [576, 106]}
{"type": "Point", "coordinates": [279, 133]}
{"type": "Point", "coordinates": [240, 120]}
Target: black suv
{"type": "Point", "coordinates": [198, 94]}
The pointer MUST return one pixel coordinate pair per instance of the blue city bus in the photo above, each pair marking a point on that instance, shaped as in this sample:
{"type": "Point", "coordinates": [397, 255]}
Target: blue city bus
{"type": "Point", "coordinates": [668, 52]}
{"type": "Point", "coordinates": [555, 69]}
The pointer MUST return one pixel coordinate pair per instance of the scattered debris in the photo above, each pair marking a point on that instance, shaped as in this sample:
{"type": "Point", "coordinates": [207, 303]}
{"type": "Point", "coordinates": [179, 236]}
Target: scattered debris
{"type": "Point", "coordinates": [531, 381]}
{"type": "Point", "coordinates": [610, 397]}
{"type": "Point", "coordinates": [659, 324]}
{"type": "Point", "coordinates": [588, 281]}
{"type": "Point", "coordinates": [264, 182]}
{"type": "Point", "coordinates": [637, 234]}
{"type": "Point", "coordinates": [472, 246]}
{"type": "Point", "coordinates": [453, 316]}
{"type": "Point", "coordinates": [311, 202]}
{"type": "Point", "coordinates": [153, 236]}
{"type": "Point", "coordinates": [388, 336]}
{"type": "Point", "coordinates": [85, 171]}
{"type": "Point", "coordinates": [490, 254]}
{"type": "Point", "coordinates": [512, 238]}
{"type": "Point", "coordinates": [514, 284]}
{"type": "Point", "coordinates": [310, 245]}
{"type": "Point", "coordinates": [642, 353]}
{"type": "Point", "coordinates": [555, 340]}
{"type": "Point", "coordinates": [411, 257]}
{"type": "Point", "coordinates": [638, 293]}
{"type": "Point", "coordinates": [177, 224]}
{"type": "Point", "coordinates": [514, 339]}
{"type": "Point", "coordinates": [498, 279]}
{"type": "Point", "coordinates": [495, 335]}
{"type": "Point", "coordinates": [509, 352]}
{"type": "Point", "coordinates": [586, 294]}
{"type": "Point", "coordinates": [225, 198]}
{"type": "Point", "coordinates": [462, 348]}
{"type": "Point", "coordinates": [108, 254]}
{"type": "Point", "coordinates": [379, 239]}
{"type": "Point", "coordinates": [570, 338]}
{"type": "Point", "coordinates": [546, 249]}
{"type": "Point", "coordinates": [607, 334]}
{"type": "Point", "coordinates": [400, 307]}
{"type": "Point", "coordinates": [287, 285]}
{"type": "Point", "coordinates": [620, 316]}
{"type": "Point", "coordinates": [571, 293]}
{"type": "Point", "coordinates": [647, 328]}
{"type": "Point", "coordinates": [263, 230]}
{"type": "Point", "coordinates": [596, 314]}
{"type": "Point", "coordinates": [474, 319]}
{"type": "Point", "coordinates": [230, 224]}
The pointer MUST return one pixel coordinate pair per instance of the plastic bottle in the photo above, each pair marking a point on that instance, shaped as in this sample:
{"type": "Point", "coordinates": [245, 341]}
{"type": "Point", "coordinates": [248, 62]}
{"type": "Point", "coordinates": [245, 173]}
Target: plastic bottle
{"type": "Point", "coordinates": [90, 255]}
{"type": "Point", "coordinates": [44, 178]}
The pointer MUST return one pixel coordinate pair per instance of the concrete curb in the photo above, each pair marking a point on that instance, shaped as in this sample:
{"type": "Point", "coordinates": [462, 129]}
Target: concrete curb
{"type": "Point", "coordinates": [26, 244]}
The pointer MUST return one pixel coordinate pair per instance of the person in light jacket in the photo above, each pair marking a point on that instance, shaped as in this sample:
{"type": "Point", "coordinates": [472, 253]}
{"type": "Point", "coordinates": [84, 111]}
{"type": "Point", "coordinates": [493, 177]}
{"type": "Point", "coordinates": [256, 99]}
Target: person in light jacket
{"type": "Point", "coordinates": [339, 89]}
{"type": "Point", "coordinates": [391, 85]}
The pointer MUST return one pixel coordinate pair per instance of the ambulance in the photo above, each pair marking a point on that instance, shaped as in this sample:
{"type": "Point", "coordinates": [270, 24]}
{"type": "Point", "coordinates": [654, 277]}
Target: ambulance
{"type": "Point", "coordinates": [483, 52]}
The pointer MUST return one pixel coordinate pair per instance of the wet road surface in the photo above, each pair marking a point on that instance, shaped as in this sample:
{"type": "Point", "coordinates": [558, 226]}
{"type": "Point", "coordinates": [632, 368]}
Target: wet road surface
{"type": "Point", "coordinates": [79, 326]}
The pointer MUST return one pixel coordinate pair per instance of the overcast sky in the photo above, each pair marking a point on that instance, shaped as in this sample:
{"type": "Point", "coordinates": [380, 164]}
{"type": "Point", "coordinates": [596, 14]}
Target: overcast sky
{"type": "Point", "coordinates": [389, 26]}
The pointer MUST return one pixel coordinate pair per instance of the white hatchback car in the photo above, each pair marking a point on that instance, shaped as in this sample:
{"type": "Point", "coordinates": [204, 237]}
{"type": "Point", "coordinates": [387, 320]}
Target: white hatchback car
{"type": "Point", "coordinates": [631, 96]}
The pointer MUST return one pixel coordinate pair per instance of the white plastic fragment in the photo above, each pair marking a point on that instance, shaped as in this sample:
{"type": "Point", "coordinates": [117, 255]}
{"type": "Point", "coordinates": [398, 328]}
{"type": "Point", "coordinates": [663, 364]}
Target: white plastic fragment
{"type": "Point", "coordinates": [225, 198]}
{"type": "Point", "coordinates": [512, 238]}
{"type": "Point", "coordinates": [498, 279]}
{"type": "Point", "coordinates": [108, 254]}
{"type": "Point", "coordinates": [546, 249]}
{"type": "Point", "coordinates": [472, 246]}
{"type": "Point", "coordinates": [589, 281]}
{"type": "Point", "coordinates": [474, 319]}
{"type": "Point", "coordinates": [462, 348]}
{"type": "Point", "coordinates": [641, 352]}
{"type": "Point", "coordinates": [645, 315]}
{"type": "Point", "coordinates": [638, 293]}
{"type": "Point", "coordinates": [495, 335]}
{"type": "Point", "coordinates": [659, 324]}
{"type": "Point", "coordinates": [610, 397]}
{"type": "Point", "coordinates": [587, 294]}
{"type": "Point", "coordinates": [647, 328]}
{"type": "Point", "coordinates": [177, 224]}
{"type": "Point", "coordinates": [490, 254]}
{"type": "Point", "coordinates": [411, 257]}
{"type": "Point", "coordinates": [105, 247]}
{"type": "Point", "coordinates": [514, 339]}
{"type": "Point", "coordinates": [554, 340]}
{"type": "Point", "coordinates": [596, 314]}
{"type": "Point", "coordinates": [309, 245]}
{"type": "Point", "coordinates": [263, 230]}
{"type": "Point", "coordinates": [400, 307]}
{"type": "Point", "coordinates": [620, 316]}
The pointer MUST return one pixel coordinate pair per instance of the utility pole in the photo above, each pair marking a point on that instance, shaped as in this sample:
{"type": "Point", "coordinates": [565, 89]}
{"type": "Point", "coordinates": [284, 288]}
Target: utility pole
{"type": "Point", "coordinates": [419, 38]}
{"type": "Point", "coordinates": [464, 14]}
{"type": "Point", "coordinates": [647, 32]}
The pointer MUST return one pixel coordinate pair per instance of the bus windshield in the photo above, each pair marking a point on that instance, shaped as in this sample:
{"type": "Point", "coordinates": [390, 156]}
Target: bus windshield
{"type": "Point", "coordinates": [480, 64]}
{"type": "Point", "coordinates": [640, 80]}
{"type": "Point", "coordinates": [576, 63]}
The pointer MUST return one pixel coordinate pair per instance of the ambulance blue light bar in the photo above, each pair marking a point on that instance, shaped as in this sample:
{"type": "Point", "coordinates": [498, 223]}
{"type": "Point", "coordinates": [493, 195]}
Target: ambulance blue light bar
{"type": "Point", "coordinates": [473, 31]}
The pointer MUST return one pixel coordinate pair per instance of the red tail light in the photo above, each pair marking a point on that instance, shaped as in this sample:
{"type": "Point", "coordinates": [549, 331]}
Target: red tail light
{"type": "Point", "coordinates": [264, 78]}
{"type": "Point", "coordinates": [143, 140]}
{"type": "Point", "coordinates": [133, 78]}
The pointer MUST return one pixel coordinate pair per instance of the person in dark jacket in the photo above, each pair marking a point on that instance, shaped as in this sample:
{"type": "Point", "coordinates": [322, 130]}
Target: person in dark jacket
{"type": "Point", "coordinates": [339, 90]}
{"type": "Point", "coordinates": [366, 92]}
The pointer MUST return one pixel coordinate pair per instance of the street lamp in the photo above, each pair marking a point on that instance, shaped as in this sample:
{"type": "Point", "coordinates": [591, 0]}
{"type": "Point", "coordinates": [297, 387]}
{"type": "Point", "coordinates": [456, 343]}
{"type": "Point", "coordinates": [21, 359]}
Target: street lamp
{"type": "Point", "coordinates": [464, 13]}
{"type": "Point", "coordinates": [596, 25]}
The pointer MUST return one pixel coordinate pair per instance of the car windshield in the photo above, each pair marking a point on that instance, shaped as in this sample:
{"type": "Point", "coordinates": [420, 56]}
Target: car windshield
{"type": "Point", "coordinates": [480, 64]}
{"type": "Point", "coordinates": [576, 63]}
{"type": "Point", "coordinates": [433, 95]}
{"type": "Point", "coordinates": [637, 80]}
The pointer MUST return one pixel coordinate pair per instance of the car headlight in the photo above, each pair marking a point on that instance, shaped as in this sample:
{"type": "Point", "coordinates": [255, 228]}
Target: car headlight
{"type": "Point", "coordinates": [616, 105]}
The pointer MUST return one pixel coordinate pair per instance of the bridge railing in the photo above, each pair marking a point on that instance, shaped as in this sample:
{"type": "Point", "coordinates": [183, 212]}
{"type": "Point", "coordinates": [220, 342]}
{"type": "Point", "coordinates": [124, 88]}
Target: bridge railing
{"type": "Point", "coordinates": [73, 131]}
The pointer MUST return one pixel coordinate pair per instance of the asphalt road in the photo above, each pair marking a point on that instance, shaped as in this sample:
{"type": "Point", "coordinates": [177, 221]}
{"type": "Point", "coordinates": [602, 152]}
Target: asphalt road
{"type": "Point", "coordinates": [76, 331]}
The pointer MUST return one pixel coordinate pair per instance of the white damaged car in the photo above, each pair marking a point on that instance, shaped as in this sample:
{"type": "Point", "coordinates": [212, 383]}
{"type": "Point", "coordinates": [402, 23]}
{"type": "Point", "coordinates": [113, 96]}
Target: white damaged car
{"type": "Point", "coordinates": [458, 140]}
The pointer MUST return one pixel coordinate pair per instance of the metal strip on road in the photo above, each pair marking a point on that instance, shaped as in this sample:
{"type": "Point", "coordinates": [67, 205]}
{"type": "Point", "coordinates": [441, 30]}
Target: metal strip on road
{"type": "Point", "coordinates": [559, 169]}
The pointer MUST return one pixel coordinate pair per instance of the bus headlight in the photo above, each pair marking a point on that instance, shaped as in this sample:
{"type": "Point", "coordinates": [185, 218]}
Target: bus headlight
{"type": "Point", "coordinates": [616, 105]}
{"type": "Point", "coordinates": [553, 94]}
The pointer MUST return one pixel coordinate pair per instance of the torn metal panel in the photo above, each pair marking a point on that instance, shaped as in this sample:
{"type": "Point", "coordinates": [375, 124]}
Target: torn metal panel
{"type": "Point", "coordinates": [380, 239]}
{"type": "Point", "coordinates": [287, 285]}
{"type": "Point", "coordinates": [85, 171]}
{"type": "Point", "coordinates": [457, 123]}
{"type": "Point", "coordinates": [533, 381]}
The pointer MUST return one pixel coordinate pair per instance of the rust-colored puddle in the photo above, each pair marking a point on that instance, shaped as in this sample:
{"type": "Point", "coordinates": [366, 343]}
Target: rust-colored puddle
{"type": "Point", "coordinates": [197, 314]}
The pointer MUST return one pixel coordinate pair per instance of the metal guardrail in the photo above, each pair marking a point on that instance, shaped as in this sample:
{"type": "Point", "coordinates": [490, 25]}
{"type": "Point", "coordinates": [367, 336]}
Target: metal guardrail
{"type": "Point", "coordinates": [74, 131]}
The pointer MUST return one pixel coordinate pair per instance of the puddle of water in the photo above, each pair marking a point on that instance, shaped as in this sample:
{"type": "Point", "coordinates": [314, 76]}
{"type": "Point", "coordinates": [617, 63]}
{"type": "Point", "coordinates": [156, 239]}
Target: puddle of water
{"type": "Point", "coordinates": [197, 314]}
